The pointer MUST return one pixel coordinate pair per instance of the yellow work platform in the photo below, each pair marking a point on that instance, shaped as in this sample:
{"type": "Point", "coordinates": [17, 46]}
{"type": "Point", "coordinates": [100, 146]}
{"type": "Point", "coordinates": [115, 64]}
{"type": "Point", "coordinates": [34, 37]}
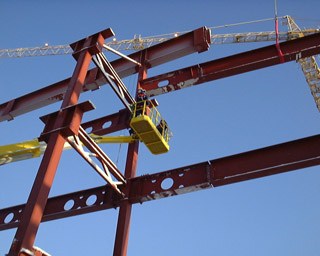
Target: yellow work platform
{"type": "Point", "coordinates": [151, 129]}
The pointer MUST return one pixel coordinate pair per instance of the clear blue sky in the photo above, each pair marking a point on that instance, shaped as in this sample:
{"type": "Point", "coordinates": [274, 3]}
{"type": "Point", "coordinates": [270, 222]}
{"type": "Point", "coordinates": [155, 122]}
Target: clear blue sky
{"type": "Point", "coordinates": [277, 215]}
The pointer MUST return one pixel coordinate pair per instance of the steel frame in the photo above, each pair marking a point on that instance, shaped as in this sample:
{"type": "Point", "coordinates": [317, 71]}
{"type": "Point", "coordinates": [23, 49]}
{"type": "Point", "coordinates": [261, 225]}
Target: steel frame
{"type": "Point", "coordinates": [249, 165]}
{"type": "Point", "coordinates": [129, 189]}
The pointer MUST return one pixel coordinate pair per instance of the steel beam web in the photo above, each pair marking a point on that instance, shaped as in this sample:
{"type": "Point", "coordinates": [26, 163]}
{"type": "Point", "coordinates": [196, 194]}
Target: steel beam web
{"type": "Point", "coordinates": [254, 164]}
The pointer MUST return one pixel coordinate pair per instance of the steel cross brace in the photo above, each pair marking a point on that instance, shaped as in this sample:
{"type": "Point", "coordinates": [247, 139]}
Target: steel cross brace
{"type": "Point", "coordinates": [59, 125]}
{"type": "Point", "coordinates": [114, 80]}
{"type": "Point", "coordinates": [258, 163]}
{"type": "Point", "coordinates": [108, 166]}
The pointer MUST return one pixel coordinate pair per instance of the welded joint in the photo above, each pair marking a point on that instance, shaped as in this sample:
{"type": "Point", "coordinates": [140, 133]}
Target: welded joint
{"type": "Point", "coordinates": [71, 116]}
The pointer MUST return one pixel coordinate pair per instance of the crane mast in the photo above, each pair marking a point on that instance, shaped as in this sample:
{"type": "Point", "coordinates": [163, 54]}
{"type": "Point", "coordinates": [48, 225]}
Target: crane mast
{"type": "Point", "coordinates": [309, 65]}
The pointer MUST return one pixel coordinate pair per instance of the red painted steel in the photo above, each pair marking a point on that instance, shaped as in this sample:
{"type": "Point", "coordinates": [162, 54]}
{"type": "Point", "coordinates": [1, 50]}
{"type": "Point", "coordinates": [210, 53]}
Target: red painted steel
{"type": "Point", "coordinates": [249, 165]}
{"type": "Point", "coordinates": [33, 212]}
{"type": "Point", "coordinates": [124, 218]}
{"type": "Point", "coordinates": [232, 65]}
{"type": "Point", "coordinates": [114, 80]}
{"type": "Point", "coordinates": [108, 124]}
{"type": "Point", "coordinates": [254, 164]}
{"type": "Point", "coordinates": [195, 41]}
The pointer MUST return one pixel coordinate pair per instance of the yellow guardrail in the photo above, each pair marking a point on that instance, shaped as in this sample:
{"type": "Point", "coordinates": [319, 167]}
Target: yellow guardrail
{"type": "Point", "coordinates": [150, 127]}
{"type": "Point", "coordinates": [147, 108]}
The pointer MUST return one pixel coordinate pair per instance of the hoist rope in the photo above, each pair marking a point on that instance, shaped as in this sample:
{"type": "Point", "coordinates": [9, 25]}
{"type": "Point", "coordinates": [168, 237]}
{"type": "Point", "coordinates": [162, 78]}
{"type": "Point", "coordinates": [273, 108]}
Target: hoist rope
{"type": "Point", "coordinates": [280, 54]}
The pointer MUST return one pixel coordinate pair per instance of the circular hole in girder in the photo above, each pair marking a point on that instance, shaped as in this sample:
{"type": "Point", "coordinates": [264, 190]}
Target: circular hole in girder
{"type": "Point", "coordinates": [163, 83]}
{"type": "Point", "coordinates": [88, 130]}
{"type": "Point", "coordinates": [91, 200]}
{"type": "Point", "coordinates": [167, 183]}
{"type": "Point", "coordinates": [68, 205]}
{"type": "Point", "coordinates": [8, 218]}
{"type": "Point", "coordinates": [107, 124]}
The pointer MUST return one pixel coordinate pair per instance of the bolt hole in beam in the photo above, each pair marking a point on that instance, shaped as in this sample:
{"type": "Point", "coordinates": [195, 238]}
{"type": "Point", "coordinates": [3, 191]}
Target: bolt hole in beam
{"type": "Point", "coordinates": [68, 205]}
{"type": "Point", "coordinates": [8, 218]}
{"type": "Point", "coordinates": [106, 124]}
{"type": "Point", "coordinates": [163, 83]}
{"type": "Point", "coordinates": [89, 130]}
{"type": "Point", "coordinates": [167, 183]}
{"type": "Point", "coordinates": [91, 200]}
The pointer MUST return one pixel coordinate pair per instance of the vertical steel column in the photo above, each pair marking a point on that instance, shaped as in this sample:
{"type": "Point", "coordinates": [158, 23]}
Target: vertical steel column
{"type": "Point", "coordinates": [33, 212]}
{"type": "Point", "coordinates": [124, 218]}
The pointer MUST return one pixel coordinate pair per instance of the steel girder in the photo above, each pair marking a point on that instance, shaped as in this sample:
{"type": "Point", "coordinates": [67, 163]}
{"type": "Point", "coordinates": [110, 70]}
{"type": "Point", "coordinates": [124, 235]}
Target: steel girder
{"type": "Point", "coordinates": [249, 165]}
{"type": "Point", "coordinates": [195, 41]}
{"type": "Point", "coordinates": [59, 125]}
{"type": "Point", "coordinates": [232, 65]}
{"type": "Point", "coordinates": [258, 163]}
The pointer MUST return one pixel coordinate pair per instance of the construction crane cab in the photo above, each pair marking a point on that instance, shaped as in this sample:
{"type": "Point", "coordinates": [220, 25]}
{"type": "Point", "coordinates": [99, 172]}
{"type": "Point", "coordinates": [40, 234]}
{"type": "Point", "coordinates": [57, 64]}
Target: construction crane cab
{"type": "Point", "coordinates": [150, 127]}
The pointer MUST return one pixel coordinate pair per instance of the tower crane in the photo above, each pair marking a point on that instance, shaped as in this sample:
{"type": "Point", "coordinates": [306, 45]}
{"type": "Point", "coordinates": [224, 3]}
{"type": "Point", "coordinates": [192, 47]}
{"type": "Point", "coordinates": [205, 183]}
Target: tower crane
{"type": "Point", "coordinates": [140, 43]}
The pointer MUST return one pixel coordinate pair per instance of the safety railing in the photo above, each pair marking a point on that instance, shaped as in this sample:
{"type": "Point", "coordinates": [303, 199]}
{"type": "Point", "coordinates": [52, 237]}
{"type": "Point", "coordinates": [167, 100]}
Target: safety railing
{"type": "Point", "coordinates": [147, 108]}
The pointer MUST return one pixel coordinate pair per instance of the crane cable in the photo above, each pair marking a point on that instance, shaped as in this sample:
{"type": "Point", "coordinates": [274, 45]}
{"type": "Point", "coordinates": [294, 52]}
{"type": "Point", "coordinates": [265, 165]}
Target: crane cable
{"type": "Point", "coordinates": [280, 54]}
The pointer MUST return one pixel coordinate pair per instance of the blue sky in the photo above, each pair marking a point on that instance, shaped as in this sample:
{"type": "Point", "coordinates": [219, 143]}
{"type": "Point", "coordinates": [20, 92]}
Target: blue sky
{"type": "Point", "coordinates": [277, 215]}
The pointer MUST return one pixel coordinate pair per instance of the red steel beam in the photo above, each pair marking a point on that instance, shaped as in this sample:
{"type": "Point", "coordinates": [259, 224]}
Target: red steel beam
{"type": "Point", "coordinates": [258, 163]}
{"type": "Point", "coordinates": [124, 218]}
{"type": "Point", "coordinates": [195, 41]}
{"type": "Point", "coordinates": [34, 210]}
{"type": "Point", "coordinates": [232, 65]}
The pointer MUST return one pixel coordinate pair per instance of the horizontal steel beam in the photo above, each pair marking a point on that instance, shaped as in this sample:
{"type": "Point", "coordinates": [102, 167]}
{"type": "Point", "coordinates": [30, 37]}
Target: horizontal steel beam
{"type": "Point", "coordinates": [232, 65]}
{"type": "Point", "coordinates": [108, 124]}
{"type": "Point", "coordinates": [267, 161]}
{"type": "Point", "coordinates": [195, 41]}
{"type": "Point", "coordinates": [262, 162]}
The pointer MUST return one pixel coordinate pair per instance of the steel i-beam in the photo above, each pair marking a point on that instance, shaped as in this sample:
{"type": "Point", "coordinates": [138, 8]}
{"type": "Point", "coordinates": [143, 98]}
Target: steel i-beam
{"type": "Point", "coordinates": [59, 125]}
{"type": "Point", "coordinates": [254, 164]}
{"type": "Point", "coordinates": [124, 218]}
{"type": "Point", "coordinates": [194, 41]}
{"type": "Point", "coordinates": [233, 65]}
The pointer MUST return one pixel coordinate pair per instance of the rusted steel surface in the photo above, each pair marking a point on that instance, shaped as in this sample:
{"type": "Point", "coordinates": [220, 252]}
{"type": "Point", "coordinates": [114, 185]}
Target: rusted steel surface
{"type": "Point", "coordinates": [34, 210]}
{"type": "Point", "coordinates": [258, 163]}
{"type": "Point", "coordinates": [195, 41]}
{"type": "Point", "coordinates": [232, 65]}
